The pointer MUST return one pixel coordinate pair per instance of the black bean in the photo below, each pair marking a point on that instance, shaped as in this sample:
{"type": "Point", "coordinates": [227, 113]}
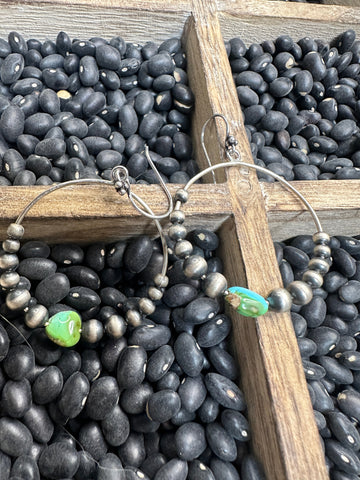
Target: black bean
{"type": "Point", "coordinates": [132, 452]}
{"type": "Point", "coordinates": [190, 441]}
{"type": "Point", "coordinates": [110, 467]}
{"type": "Point", "coordinates": [51, 461]}
{"type": "Point", "coordinates": [24, 467]}
{"type": "Point", "coordinates": [346, 311]}
{"type": "Point", "coordinates": [131, 366]}
{"type": "Point", "coordinates": [335, 371]}
{"type": "Point", "coordinates": [19, 362]}
{"type": "Point", "coordinates": [11, 68]}
{"type": "Point", "coordinates": [313, 371]}
{"type": "Point", "coordinates": [323, 402]}
{"type": "Point", "coordinates": [220, 442]}
{"type": "Point", "coordinates": [37, 420]}
{"type": "Point", "coordinates": [102, 398]}
{"type": "Point", "coordinates": [223, 362]}
{"type": "Point", "coordinates": [192, 393]}
{"type": "Point", "coordinates": [15, 437]}
{"type": "Point", "coordinates": [307, 347]}
{"type": "Point", "coordinates": [175, 469]}
{"type": "Point", "coordinates": [219, 468]}
{"type": "Point", "coordinates": [12, 123]}
{"type": "Point", "coordinates": [93, 105]}
{"type": "Point", "coordinates": [188, 354]}
{"type": "Point", "coordinates": [159, 363]}
{"type": "Point", "coordinates": [16, 397]}
{"type": "Point", "coordinates": [314, 312]}
{"type": "Point", "coordinates": [325, 338]}
{"type": "Point", "coordinates": [52, 289]}
{"type": "Point", "coordinates": [56, 79]}
{"type": "Point", "coordinates": [74, 394]}
{"type": "Point", "coordinates": [26, 144]}
{"type": "Point", "coordinates": [88, 70]}
{"type": "Point", "coordinates": [47, 385]}
{"type": "Point", "coordinates": [82, 298]}
{"type": "Point", "coordinates": [133, 400]}
{"type": "Point", "coordinates": [111, 352]}
{"type": "Point", "coordinates": [350, 359]}
{"type": "Point", "coordinates": [224, 391]}
{"type": "Point", "coordinates": [344, 458]}
{"type": "Point", "coordinates": [344, 430]}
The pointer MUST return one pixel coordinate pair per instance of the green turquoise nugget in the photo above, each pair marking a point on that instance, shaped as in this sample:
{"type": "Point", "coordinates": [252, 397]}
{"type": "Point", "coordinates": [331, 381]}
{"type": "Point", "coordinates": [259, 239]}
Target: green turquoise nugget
{"type": "Point", "coordinates": [246, 302]}
{"type": "Point", "coordinates": [64, 328]}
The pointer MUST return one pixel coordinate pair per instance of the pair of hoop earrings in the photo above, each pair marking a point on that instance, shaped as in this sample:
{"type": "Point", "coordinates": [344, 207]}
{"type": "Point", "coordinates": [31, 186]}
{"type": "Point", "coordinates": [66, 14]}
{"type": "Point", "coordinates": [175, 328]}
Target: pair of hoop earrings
{"type": "Point", "coordinates": [65, 328]}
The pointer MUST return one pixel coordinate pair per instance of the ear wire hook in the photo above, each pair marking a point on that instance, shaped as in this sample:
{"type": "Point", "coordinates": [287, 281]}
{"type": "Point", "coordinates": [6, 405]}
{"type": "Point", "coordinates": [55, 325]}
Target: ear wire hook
{"type": "Point", "coordinates": [230, 142]}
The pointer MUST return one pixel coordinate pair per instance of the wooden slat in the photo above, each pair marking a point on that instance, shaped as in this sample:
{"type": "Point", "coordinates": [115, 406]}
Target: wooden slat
{"type": "Point", "coordinates": [92, 213]}
{"type": "Point", "coordinates": [257, 20]}
{"type": "Point", "coordinates": [285, 436]}
{"type": "Point", "coordinates": [87, 18]}
{"type": "Point", "coordinates": [337, 202]}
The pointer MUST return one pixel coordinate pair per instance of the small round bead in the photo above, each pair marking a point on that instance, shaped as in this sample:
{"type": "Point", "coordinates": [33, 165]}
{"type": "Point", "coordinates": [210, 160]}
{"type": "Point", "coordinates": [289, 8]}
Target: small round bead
{"type": "Point", "coordinates": [11, 245]}
{"type": "Point", "coordinates": [177, 216]}
{"type": "Point", "coordinates": [133, 317]}
{"type": "Point", "coordinates": [115, 326]}
{"type": "Point", "coordinates": [36, 316]}
{"type": "Point", "coordinates": [161, 281]}
{"type": "Point", "coordinates": [195, 267]}
{"type": "Point", "coordinates": [8, 261]}
{"type": "Point", "coordinates": [9, 279]}
{"type": "Point", "coordinates": [313, 278]}
{"type": "Point", "coordinates": [279, 300]}
{"type": "Point", "coordinates": [181, 195]}
{"type": "Point", "coordinates": [183, 249]}
{"type": "Point", "coordinates": [177, 232]}
{"type": "Point", "coordinates": [322, 251]}
{"type": "Point", "coordinates": [15, 230]}
{"type": "Point", "coordinates": [300, 291]}
{"type": "Point", "coordinates": [320, 265]}
{"type": "Point", "coordinates": [214, 285]}
{"type": "Point", "coordinates": [321, 238]}
{"type": "Point", "coordinates": [146, 306]}
{"type": "Point", "coordinates": [17, 299]}
{"type": "Point", "coordinates": [92, 331]}
{"type": "Point", "coordinates": [155, 294]}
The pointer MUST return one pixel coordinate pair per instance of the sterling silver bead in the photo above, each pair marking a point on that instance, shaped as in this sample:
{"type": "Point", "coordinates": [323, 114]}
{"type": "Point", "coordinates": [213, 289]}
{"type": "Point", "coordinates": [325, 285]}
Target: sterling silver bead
{"type": "Point", "coordinates": [177, 216]}
{"type": "Point", "coordinates": [177, 232]}
{"type": "Point", "coordinates": [161, 281]}
{"type": "Point", "coordinates": [313, 278]}
{"type": "Point", "coordinates": [115, 326]}
{"type": "Point", "coordinates": [321, 238]}
{"type": "Point", "coordinates": [322, 251]}
{"type": "Point", "coordinates": [320, 265]}
{"type": "Point", "coordinates": [8, 261]}
{"type": "Point", "coordinates": [9, 279]}
{"type": "Point", "coordinates": [181, 195]}
{"type": "Point", "coordinates": [133, 317]}
{"type": "Point", "coordinates": [92, 331]}
{"type": "Point", "coordinates": [15, 230]}
{"type": "Point", "coordinates": [11, 245]}
{"type": "Point", "coordinates": [279, 300]}
{"type": "Point", "coordinates": [155, 294]}
{"type": "Point", "coordinates": [300, 292]}
{"type": "Point", "coordinates": [17, 299]}
{"type": "Point", "coordinates": [146, 306]}
{"type": "Point", "coordinates": [36, 316]}
{"type": "Point", "coordinates": [214, 284]}
{"type": "Point", "coordinates": [195, 267]}
{"type": "Point", "coordinates": [183, 249]}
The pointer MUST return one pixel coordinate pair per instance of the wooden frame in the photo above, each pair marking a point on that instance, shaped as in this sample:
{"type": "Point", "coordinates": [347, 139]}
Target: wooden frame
{"type": "Point", "coordinates": [248, 215]}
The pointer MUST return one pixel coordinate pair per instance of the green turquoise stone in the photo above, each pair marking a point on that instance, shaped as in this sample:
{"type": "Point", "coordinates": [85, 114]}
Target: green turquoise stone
{"type": "Point", "coordinates": [246, 302]}
{"type": "Point", "coordinates": [64, 328]}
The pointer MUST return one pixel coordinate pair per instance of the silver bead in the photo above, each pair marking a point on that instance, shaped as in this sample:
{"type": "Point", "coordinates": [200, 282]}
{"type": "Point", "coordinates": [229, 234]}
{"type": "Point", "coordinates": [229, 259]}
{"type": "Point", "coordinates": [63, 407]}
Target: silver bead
{"type": "Point", "coordinates": [133, 317]}
{"type": "Point", "coordinates": [9, 279]}
{"type": "Point", "coordinates": [183, 249]}
{"type": "Point", "coordinates": [195, 267]}
{"type": "Point", "coordinates": [313, 278]}
{"type": "Point", "coordinates": [115, 326]}
{"type": "Point", "coordinates": [155, 294]}
{"type": "Point", "coordinates": [300, 291]}
{"type": "Point", "coordinates": [11, 245]}
{"type": "Point", "coordinates": [161, 281]}
{"type": "Point", "coordinates": [8, 261]}
{"type": "Point", "coordinates": [146, 306]}
{"type": "Point", "coordinates": [214, 285]}
{"type": "Point", "coordinates": [15, 230]}
{"type": "Point", "coordinates": [181, 195]}
{"type": "Point", "coordinates": [17, 299]}
{"type": "Point", "coordinates": [92, 331]}
{"type": "Point", "coordinates": [177, 232]}
{"type": "Point", "coordinates": [279, 300]}
{"type": "Point", "coordinates": [322, 251]}
{"type": "Point", "coordinates": [320, 265]}
{"type": "Point", "coordinates": [321, 238]}
{"type": "Point", "coordinates": [177, 216]}
{"type": "Point", "coordinates": [36, 316]}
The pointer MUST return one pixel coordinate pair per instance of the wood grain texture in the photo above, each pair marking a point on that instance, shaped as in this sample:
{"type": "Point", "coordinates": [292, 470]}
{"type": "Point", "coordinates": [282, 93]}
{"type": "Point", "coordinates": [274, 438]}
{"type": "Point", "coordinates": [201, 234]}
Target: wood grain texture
{"type": "Point", "coordinates": [256, 20]}
{"type": "Point", "coordinates": [337, 203]}
{"type": "Point", "coordinates": [87, 18]}
{"type": "Point", "coordinates": [91, 213]}
{"type": "Point", "coordinates": [284, 433]}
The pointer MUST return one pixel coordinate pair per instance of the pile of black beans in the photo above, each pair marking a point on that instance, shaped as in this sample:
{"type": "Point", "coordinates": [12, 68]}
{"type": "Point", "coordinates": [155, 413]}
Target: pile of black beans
{"type": "Point", "coordinates": [301, 105]}
{"type": "Point", "coordinates": [161, 402]}
{"type": "Point", "coordinates": [328, 334]}
{"type": "Point", "coordinates": [73, 109]}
